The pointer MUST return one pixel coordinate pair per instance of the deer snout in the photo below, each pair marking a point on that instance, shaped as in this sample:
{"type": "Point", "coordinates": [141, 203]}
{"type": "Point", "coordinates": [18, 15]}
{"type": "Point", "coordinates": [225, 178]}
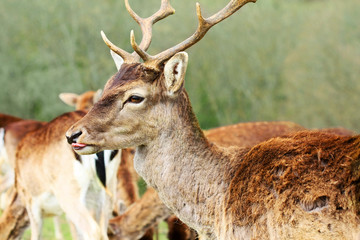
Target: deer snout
{"type": "Point", "coordinates": [72, 138]}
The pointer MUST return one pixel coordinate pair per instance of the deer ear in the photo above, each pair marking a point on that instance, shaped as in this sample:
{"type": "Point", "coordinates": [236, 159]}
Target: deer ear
{"type": "Point", "coordinates": [174, 72]}
{"type": "Point", "coordinates": [97, 95]}
{"type": "Point", "coordinates": [117, 59]}
{"type": "Point", "coordinates": [69, 98]}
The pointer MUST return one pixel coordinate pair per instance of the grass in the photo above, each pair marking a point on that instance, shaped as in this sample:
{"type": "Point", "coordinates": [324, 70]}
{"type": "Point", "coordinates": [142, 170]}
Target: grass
{"type": "Point", "coordinates": [274, 60]}
{"type": "Point", "coordinates": [48, 231]}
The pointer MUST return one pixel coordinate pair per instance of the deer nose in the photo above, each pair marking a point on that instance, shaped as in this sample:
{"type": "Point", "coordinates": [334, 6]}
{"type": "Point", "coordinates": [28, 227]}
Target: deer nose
{"type": "Point", "coordinates": [73, 137]}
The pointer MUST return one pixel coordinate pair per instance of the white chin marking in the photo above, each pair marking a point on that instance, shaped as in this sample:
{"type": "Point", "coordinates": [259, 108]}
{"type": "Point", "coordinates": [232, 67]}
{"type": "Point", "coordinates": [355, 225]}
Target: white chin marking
{"type": "Point", "coordinates": [87, 150]}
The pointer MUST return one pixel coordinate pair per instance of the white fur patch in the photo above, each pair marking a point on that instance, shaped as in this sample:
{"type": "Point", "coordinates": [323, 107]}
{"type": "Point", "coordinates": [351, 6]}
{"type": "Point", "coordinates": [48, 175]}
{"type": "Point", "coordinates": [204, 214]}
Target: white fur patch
{"type": "Point", "coordinates": [48, 203]}
{"type": "Point", "coordinates": [3, 154]}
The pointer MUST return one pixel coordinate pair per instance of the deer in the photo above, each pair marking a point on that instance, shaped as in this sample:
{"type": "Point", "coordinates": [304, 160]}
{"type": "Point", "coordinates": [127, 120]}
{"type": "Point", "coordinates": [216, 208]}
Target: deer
{"type": "Point", "coordinates": [300, 186]}
{"type": "Point", "coordinates": [50, 179]}
{"type": "Point", "coordinates": [126, 189]}
{"type": "Point", "coordinates": [82, 101]}
{"type": "Point", "coordinates": [10, 135]}
{"type": "Point", "coordinates": [149, 210]}
{"type": "Point", "coordinates": [12, 131]}
{"type": "Point", "coordinates": [15, 219]}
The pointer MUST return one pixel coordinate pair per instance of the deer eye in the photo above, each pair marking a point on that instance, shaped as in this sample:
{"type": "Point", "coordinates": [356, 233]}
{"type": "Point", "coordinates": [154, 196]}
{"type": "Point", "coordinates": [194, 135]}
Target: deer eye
{"type": "Point", "coordinates": [135, 99]}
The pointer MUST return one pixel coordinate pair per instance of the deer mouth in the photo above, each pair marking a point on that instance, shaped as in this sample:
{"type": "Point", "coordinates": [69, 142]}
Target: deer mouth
{"type": "Point", "coordinates": [78, 146]}
{"type": "Point", "coordinates": [84, 149]}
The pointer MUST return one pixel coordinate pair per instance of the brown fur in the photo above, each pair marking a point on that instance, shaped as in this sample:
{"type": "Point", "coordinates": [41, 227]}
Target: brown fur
{"type": "Point", "coordinates": [241, 134]}
{"type": "Point", "coordinates": [6, 119]}
{"type": "Point", "coordinates": [128, 226]}
{"type": "Point", "coordinates": [41, 185]}
{"type": "Point", "coordinates": [85, 101]}
{"type": "Point", "coordinates": [249, 134]}
{"type": "Point", "coordinates": [14, 132]}
{"type": "Point", "coordinates": [14, 220]}
{"type": "Point", "coordinates": [299, 176]}
{"type": "Point", "coordinates": [127, 189]}
{"type": "Point", "coordinates": [212, 188]}
{"type": "Point", "coordinates": [179, 230]}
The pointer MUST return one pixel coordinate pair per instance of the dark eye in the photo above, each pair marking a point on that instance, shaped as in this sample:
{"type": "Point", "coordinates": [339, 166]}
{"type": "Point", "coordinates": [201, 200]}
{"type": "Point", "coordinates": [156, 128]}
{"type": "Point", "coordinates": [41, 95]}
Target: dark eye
{"type": "Point", "coordinates": [135, 99]}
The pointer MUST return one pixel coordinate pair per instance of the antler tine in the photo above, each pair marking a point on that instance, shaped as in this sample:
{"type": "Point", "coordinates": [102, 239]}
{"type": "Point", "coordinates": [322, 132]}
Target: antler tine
{"type": "Point", "coordinates": [128, 58]}
{"type": "Point", "coordinates": [144, 55]}
{"type": "Point", "coordinates": [146, 28]}
{"type": "Point", "coordinates": [146, 24]}
{"type": "Point", "coordinates": [203, 26]}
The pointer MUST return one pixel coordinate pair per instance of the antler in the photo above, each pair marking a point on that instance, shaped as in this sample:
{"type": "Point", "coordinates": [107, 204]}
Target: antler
{"type": "Point", "coordinates": [146, 28]}
{"type": "Point", "coordinates": [203, 26]}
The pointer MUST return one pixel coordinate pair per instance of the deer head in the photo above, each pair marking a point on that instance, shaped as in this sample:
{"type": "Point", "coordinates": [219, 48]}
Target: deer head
{"type": "Point", "coordinates": [81, 102]}
{"type": "Point", "coordinates": [140, 100]}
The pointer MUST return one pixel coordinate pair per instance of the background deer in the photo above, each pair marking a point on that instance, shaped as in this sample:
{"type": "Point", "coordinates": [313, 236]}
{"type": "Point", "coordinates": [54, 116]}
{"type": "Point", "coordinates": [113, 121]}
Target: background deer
{"type": "Point", "coordinates": [299, 186]}
{"type": "Point", "coordinates": [5, 119]}
{"type": "Point", "coordinates": [51, 178]}
{"type": "Point", "coordinates": [14, 220]}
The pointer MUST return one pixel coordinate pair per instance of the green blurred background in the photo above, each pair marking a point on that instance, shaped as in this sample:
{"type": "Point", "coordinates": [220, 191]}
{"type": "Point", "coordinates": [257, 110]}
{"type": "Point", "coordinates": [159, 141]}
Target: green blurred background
{"type": "Point", "coordinates": [292, 60]}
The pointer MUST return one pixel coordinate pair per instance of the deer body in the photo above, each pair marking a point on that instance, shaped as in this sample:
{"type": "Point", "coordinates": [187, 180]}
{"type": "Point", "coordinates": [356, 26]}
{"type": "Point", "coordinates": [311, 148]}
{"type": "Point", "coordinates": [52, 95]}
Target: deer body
{"type": "Point", "coordinates": [200, 182]}
{"type": "Point", "coordinates": [197, 180]}
{"type": "Point", "coordinates": [51, 179]}
{"type": "Point", "coordinates": [301, 186]}
{"type": "Point", "coordinates": [151, 210]}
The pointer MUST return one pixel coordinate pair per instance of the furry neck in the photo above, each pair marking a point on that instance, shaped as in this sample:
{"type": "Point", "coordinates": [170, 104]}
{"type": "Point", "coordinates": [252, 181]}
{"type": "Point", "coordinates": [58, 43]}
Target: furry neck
{"type": "Point", "coordinates": [190, 174]}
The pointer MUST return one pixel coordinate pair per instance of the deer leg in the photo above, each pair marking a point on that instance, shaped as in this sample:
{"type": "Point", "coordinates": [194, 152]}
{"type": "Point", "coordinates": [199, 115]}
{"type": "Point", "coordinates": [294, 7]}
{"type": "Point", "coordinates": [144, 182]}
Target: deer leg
{"type": "Point", "coordinates": [85, 225]}
{"type": "Point", "coordinates": [34, 213]}
{"type": "Point", "coordinates": [76, 211]}
{"type": "Point", "coordinates": [57, 228]}
{"type": "Point", "coordinates": [73, 231]}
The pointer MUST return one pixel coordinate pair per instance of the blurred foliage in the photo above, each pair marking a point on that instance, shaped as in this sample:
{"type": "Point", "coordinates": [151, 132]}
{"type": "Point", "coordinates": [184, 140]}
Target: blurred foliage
{"type": "Point", "coordinates": [274, 60]}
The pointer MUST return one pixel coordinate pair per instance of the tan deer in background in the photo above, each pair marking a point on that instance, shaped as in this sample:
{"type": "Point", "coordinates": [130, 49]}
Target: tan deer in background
{"type": "Point", "coordinates": [51, 178]}
{"type": "Point", "coordinates": [302, 186]}
{"type": "Point", "coordinates": [5, 119]}
{"type": "Point", "coordinates": [14, 220]}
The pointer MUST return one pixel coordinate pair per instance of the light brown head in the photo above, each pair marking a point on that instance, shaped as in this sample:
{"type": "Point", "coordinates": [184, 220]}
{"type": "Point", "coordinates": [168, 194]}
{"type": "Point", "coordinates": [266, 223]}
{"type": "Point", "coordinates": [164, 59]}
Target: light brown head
{"type": "Point", "coordinates": [140, 99]}
{"type": "Point", "coordinates": [83, 101]}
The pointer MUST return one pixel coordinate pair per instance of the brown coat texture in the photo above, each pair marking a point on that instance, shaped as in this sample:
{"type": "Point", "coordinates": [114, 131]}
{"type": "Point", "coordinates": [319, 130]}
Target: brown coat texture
{"type": "Point", "coordinates": [308, 182]}
{"type": "Point", "coordinates": [225, 193]}
{"type": "Point", "coordinates": [51, 178]}
{"type": "Point", "coordinates": [5, 119]}
{"type": "Point", "coordinates": [153, 210]}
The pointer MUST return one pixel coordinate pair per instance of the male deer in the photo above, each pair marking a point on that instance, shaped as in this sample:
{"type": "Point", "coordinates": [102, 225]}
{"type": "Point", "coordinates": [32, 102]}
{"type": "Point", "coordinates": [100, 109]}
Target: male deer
{"type": "Point", "coordinates": [302, 186]}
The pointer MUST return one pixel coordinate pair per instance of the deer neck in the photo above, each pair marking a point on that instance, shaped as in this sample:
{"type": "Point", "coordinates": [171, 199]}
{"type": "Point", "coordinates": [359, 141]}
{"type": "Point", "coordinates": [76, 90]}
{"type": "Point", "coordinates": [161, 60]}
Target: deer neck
{"type": "Point", "coordinates": [185, 169]}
